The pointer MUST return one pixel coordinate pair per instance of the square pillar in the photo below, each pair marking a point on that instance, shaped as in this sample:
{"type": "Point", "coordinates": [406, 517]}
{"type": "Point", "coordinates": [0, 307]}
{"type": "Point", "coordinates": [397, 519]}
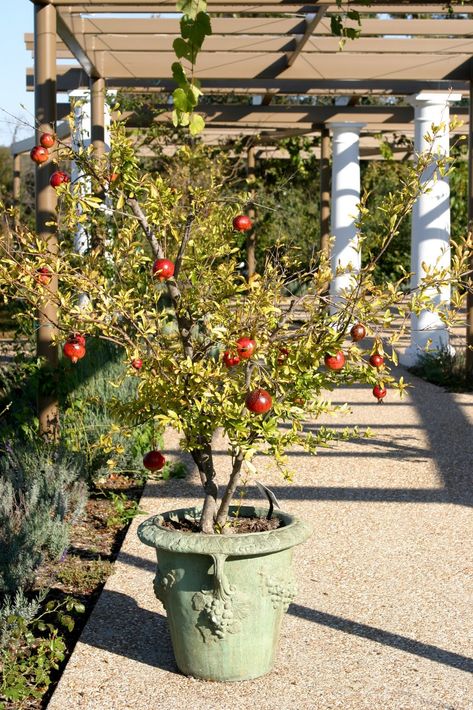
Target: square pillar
{"type": "Point", "coordinates": [45, 205]}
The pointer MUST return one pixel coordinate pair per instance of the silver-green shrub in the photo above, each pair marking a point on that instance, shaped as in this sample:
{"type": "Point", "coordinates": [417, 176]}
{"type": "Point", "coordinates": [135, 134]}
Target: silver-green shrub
{"type": "Point", "coordinates": [42, 492]}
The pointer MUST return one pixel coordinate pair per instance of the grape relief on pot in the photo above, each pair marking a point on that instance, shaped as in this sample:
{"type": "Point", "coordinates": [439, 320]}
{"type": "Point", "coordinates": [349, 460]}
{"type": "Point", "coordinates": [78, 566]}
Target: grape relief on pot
{"type": "Point", "coordinates": [221, 609]}
{"type": "Point", "coordinates": [281, 591]}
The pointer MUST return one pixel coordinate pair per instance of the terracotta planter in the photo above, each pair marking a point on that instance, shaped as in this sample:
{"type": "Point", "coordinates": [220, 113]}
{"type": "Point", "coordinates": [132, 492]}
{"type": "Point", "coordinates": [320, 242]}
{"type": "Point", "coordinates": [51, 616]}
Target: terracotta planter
{"type": "Point", "coordinates": [225, 595]}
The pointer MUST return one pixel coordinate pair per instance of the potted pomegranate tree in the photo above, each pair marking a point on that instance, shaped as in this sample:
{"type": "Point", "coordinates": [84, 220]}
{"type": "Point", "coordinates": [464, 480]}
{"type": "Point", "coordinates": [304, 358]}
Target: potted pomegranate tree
{"type": "Point", "coordinates": [213, 354]}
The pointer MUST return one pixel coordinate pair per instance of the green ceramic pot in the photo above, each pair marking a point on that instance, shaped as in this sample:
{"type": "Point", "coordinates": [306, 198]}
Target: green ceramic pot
{"type": "Point", "coordinates": [225, 595]}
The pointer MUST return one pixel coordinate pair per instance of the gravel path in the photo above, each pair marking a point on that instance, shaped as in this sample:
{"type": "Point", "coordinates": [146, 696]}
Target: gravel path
{"type": "Point", "coordinates": [383, 618]}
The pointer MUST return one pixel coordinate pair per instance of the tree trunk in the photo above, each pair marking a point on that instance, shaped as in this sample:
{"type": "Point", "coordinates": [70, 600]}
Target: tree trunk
{"type": "Point", "coordinates": [229, 491]}
{"type": "Point", "coordinates": [204, 462]}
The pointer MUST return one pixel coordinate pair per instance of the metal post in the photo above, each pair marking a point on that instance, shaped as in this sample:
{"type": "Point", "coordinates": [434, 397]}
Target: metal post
{"type": "Point", "coordinates": [16, 188]}
{"type": "Point", "coordinates": [97, 100]}
{"type": "Point", "coordinates": [469, 298]}
{"type": "Point", "coordinates": [251, 237]}
{"type": "Point", "coordinates": [325, 191]}
{"type": "Point", "coordinates": [45, 113]}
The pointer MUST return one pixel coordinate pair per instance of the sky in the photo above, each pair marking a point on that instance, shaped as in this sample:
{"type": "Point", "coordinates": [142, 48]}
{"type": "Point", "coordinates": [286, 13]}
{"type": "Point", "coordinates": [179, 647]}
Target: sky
{"type": "Point", "coordinates": [17, 18]}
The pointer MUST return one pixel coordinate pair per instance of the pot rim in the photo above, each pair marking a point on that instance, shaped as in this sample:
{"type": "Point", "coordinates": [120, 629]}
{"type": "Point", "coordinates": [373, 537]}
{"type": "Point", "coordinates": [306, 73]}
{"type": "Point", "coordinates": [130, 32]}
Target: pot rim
{"type": "Point", "coordinates": [293, 532]}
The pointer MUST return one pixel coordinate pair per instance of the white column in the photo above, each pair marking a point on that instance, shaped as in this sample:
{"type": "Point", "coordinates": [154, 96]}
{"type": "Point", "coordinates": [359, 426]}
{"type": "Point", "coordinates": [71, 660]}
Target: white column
{"type": "Point", "coordinates": [345, 252]}
{"type": "Point", "coordinates": [430, 235]}
{"type": "Point", "coordinates": [81, 136]}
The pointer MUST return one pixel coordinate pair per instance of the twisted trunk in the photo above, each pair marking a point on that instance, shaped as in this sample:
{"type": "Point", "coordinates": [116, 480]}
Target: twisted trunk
{"type": "Point", "coordinates": [230, 491]}
{"type": "Point", "coordinates": [204, 462]}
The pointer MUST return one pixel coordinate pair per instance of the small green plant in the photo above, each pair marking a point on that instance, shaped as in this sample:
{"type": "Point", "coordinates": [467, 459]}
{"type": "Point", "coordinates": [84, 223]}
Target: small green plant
{"type": "Point", "coordinates": [124, 510]}
{"type": "Point", "coordinates": [35, 648]}
{"type": "Point", "coordinates": [86, 575]}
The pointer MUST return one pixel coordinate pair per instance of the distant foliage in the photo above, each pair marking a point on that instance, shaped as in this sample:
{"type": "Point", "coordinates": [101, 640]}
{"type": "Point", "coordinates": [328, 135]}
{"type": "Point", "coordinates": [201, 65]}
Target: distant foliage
{"type": "Point", "coordinates": [41, 494]}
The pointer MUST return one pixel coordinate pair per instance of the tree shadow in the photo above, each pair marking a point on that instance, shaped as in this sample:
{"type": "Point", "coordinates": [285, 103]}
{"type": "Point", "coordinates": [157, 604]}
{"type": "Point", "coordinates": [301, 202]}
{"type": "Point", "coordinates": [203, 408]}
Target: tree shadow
{"type": "Point", "coordinates": [118, 625]}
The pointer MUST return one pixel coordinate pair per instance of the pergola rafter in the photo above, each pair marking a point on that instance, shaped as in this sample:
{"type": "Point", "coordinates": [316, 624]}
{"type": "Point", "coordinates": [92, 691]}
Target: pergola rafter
{"type": "Point", "coordinates": [250, 44]}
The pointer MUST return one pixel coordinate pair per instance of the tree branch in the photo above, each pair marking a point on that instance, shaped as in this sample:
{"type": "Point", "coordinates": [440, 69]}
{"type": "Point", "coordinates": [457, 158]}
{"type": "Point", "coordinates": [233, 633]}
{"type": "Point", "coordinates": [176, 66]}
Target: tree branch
{"type": "Point", "coordinates": [184, 322]}
{"type": "Point", "coordinates": [184, 243]}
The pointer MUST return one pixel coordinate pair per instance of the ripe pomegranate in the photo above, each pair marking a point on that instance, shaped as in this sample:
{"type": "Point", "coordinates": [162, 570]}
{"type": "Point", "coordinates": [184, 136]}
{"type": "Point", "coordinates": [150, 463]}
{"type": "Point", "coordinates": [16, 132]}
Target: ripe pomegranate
{"type": "Point", "coordinates": [154, 460]}
{"type": "Point", "coordinates": [44, 275]}
{"type": "Point", "coordinates": [58, 177]}
{"type": "Point", "coordinates": [242, 223]}
{"type": "Point", "coordinates": [376, 360]}
{"type": "Point", "coordinates": [258, 401]}
{"type": "Point", "coordinates": [335, 362]}
{"type": "Point", "coordinates": [73, 350]}
{"type": "Point", "coordinates": [137, 363]}
{"type": "Point", "coordinates": [379, 392]}
{"type": "Point", "coordinates": [230, 359]}
{"type": "Point", "coordinates": [163, 269]}
{"type": "Point", "coordinates": [245, 347]}
{"type": "Point", "coordinates": [39, 155]}
{"type": "Point", "coordinates": [78, 337]}
{"type": "Point", "coordinates": [47, 140]}
{"type": "Point", "coordinates": [358, 332]}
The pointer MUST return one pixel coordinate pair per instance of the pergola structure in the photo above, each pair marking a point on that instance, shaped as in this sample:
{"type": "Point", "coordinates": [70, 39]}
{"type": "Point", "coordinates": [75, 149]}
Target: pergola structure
{"type": "Point", "coordinates": [266, 51]}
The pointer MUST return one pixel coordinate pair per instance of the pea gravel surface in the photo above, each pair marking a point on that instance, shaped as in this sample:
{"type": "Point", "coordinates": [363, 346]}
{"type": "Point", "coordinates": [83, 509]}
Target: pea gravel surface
{"type": "Point", "coordinates": [383, 617]}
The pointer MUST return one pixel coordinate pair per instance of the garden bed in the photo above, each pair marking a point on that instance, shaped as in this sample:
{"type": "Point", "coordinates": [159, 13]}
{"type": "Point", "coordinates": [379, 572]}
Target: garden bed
{"type": "Point", "coordinates": [81, 573]}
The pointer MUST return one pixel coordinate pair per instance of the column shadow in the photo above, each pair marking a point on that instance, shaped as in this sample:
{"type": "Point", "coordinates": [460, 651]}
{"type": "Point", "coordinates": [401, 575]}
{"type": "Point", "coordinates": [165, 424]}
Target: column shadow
{"type": "Point", "coordinates": [387, 638]}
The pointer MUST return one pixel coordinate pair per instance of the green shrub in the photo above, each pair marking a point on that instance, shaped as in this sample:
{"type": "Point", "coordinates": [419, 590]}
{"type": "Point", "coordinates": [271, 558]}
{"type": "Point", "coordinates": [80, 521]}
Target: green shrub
{"type": "Point", "coordinates": [445, 369]}
{"type": "Point", "coordinates": [41, 493]}
{"type": "Point", "coordinates": [89, 394]}
{"type": "Point", "coordinates": [93, 391]}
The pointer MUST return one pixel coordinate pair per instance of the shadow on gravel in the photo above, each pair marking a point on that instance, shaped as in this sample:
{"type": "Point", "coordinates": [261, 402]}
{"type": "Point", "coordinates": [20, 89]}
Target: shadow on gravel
{"type": "Point", "coordinates": [450, 436]}
{"type": "Point", "coordinates": [294, 492]}
{"type": "Point", "coordinates": [120, 626]}
{"type": "Point", "coordinates": [403, 643]}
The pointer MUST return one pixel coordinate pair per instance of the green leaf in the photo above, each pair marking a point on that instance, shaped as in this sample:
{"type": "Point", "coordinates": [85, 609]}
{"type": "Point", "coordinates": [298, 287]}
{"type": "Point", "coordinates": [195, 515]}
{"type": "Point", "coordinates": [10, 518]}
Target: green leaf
{"type": "Point", "coordinates": [179, 75]}
{"type": "Point", "coordinates": [195, 93]}
{"type": "Point", "coordinates": [336, 25]}
{"type": "Point", "coordinates": [196, 124]}
{"type": "Point", "coordinates": [183, 118]}
{"type": "Point", "coordinates": [181, 100]}
{"type": "Point", "coordinates": [182, 49]}
{"type": "Point", "coordinates": [191, 8]}
{"type": "Point", "coordinates": [196, 30]}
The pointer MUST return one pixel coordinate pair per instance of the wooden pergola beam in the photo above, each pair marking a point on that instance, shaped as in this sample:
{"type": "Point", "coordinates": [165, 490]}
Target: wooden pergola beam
{"type": "Point", "coordinates": [310, 28]}
{"type": "Point", "coordinates": [75, 47]}
{"type": "Point", "coordinates": [271, 26]}
{"type": "Point", "coordinates": [156, 6]}
{"type": "Point", "coordinates": [71, 77]}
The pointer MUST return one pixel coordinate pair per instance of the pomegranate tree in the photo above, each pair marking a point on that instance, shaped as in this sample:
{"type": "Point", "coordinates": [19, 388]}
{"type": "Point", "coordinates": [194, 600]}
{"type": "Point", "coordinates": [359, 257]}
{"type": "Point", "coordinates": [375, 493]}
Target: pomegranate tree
{"type": "Point", "coordinates": [161, 280]}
